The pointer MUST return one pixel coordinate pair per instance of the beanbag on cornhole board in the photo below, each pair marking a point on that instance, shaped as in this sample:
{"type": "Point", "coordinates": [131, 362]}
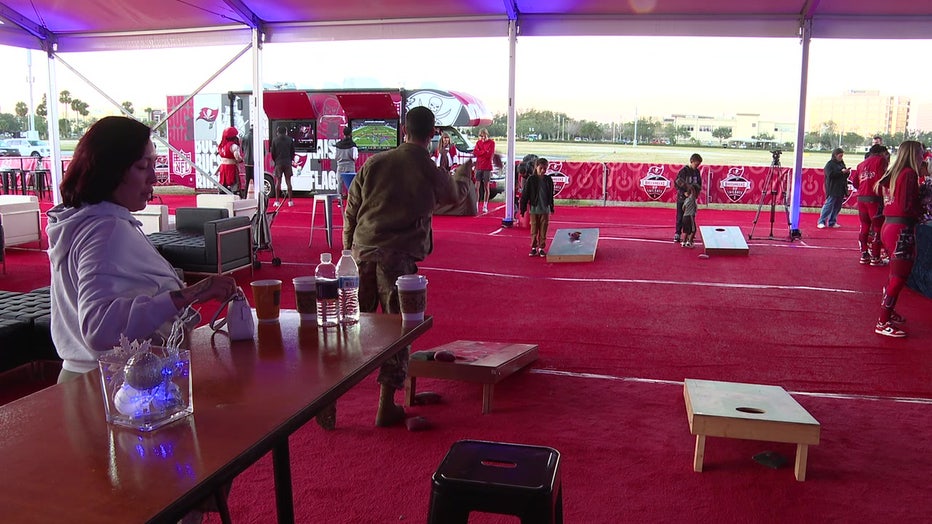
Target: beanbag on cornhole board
{"type": "Point", "coordinates": [574, 245]}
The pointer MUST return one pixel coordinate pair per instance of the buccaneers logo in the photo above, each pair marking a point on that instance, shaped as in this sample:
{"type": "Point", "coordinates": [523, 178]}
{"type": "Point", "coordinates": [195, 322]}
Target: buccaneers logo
{"type": "Point", "coordinates": [734, 185]}
{"type": "Point", "coordinates": [299, 161]}
{"type": "Point", "coordinates": [654, 183]}
{"type": "Point", "coordinates": [208, 114]}
{"type": "Point", "coordinates": [560, 179]}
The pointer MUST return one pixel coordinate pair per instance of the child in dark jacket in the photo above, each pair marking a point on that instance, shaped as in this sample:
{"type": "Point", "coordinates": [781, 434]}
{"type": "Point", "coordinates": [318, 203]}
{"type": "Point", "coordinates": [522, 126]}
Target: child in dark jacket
{"type": "Point", "coordinates": [689, 214]}
{"type": "Point", "coordinates": [538, 192]}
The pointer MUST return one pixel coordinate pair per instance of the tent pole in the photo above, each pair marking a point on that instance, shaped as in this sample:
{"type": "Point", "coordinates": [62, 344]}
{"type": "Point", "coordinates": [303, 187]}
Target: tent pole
{"type": "Point", "coordinates": [55, 167]}
{"type": "Point", "coordinates": [796, 185]}
{"type": "Point", "coordinates": [509, 166]}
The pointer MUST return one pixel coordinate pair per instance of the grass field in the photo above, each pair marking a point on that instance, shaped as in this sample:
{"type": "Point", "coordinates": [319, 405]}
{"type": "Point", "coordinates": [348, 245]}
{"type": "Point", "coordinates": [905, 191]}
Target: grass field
{"type": "Point", "coordinates": [599, 152]}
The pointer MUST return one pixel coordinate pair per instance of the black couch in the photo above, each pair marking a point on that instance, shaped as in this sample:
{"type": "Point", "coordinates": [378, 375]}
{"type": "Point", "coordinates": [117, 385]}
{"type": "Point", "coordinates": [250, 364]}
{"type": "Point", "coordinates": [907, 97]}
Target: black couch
{"type": "Point", "coordinates": [24, 328]}
{"type": "Point", "coordinates": [206, 241]}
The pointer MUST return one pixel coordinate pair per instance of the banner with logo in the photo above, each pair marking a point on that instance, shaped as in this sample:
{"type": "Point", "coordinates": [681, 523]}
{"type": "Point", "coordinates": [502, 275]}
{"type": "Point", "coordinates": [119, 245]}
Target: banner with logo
{"type": "Point", "coordinates": [577, 180]}
{"type": "Point", "coordinates": [643, 182]}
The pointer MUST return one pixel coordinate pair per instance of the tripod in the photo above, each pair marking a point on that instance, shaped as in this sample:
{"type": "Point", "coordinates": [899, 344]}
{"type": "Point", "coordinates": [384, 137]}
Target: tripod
{"type": "Point", "coordinates": [775, 185]}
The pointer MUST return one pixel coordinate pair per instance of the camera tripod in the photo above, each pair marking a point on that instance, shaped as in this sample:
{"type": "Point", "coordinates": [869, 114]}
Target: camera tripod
{"type": "Point", "coordinates": [775, 186]}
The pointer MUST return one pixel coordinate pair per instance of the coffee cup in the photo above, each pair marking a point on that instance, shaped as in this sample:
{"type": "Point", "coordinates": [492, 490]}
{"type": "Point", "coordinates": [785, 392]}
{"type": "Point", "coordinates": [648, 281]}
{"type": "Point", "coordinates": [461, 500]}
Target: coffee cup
{"type": "Point", "coordinates": [412, 297]}
{"type": "Point", "coordinates": [267, 294]}
{"type": "Point", "coordinates": [305, 294]}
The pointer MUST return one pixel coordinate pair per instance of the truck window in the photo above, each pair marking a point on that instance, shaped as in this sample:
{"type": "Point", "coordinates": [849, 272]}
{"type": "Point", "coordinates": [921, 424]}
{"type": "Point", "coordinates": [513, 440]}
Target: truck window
{"type": "Point", "coordinates": [458, 140]}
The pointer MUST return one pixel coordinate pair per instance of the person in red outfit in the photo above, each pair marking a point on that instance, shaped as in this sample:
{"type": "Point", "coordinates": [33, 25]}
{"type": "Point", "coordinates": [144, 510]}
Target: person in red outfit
{"type": "Point", "coordinates": [230, 157]}
{"type": "Point", "coordinates": [484, 151]}
{"type": "Point", "coordinates": [445, 154]}
{"type": "Point", "coordinates": [902, 208]}
{"type": "Point", "coordinates": [870, 208]}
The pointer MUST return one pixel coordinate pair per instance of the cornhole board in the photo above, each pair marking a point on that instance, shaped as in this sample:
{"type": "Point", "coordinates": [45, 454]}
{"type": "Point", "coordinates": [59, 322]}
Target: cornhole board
{"type": "Point", "coordinates": [564, 249]}
{"type": "Point", "coordinates": [486, 363]}
{"type": "Point", "coordinates": [748, 411]}
{"type": "Point", "coordinates": [723, 240]}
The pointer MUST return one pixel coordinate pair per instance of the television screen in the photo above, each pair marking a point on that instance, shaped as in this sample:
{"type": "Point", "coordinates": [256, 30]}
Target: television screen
{"type": "Point", "coordinates": [375, 134]}
{"type": "Point", "coordinates": [303, 132]}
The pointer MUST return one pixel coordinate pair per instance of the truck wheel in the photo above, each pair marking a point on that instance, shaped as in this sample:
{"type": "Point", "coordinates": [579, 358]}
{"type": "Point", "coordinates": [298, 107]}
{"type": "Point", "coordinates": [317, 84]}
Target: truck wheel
{"type": "Point", "coordinates": [268, 186]}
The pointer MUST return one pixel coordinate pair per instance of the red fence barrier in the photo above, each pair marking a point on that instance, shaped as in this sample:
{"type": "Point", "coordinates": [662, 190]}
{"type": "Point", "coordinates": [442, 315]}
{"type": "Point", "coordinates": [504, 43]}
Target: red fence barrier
{"type": "Point", "coordinates": [646, 182]}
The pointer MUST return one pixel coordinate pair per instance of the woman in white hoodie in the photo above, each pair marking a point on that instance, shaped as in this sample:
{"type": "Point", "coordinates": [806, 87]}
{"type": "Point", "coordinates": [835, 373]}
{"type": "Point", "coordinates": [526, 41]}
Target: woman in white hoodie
{"type": "Point", "coordinates": [107, 278]}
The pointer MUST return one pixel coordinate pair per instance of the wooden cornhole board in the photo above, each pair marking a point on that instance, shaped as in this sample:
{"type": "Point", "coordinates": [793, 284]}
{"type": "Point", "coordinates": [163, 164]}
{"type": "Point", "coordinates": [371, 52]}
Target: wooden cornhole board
{"type": "Point", "coordinates": [723, 240]}
{"type": "Point", "coordinates": [564, 249]}
{"type": "Point", "coordinates": [486, 363]}
{"type": "Point", "coordinates": [748, 411]}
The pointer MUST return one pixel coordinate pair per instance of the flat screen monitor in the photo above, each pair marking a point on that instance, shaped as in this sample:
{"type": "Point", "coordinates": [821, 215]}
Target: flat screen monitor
{"type": "Point", "coordinates": [303, 132]}
{"type": "Point", "coordinates": [372, 134]}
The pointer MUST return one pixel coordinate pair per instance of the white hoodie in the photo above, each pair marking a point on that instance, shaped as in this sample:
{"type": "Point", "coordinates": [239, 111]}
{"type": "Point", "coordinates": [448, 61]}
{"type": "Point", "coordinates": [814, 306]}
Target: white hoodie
{"type": "Point", "coordinates": [107, 280]}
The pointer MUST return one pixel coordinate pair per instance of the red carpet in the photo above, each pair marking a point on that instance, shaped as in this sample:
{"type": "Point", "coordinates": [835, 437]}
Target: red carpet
{"type": "Point", "coordinates": [797, 315]}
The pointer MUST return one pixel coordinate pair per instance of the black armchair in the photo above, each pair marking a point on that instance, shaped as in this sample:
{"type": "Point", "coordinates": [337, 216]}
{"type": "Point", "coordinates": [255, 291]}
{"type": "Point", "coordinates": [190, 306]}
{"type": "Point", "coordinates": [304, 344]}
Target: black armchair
{"type": "Point", "coordinates": [206, 241]}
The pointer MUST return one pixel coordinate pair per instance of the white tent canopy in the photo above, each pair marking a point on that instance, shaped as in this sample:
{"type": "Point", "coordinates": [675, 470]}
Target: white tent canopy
{"type": "Point", "coordinates": [89, 25]}
{"type": "Point", "coordinates": [95, 25]}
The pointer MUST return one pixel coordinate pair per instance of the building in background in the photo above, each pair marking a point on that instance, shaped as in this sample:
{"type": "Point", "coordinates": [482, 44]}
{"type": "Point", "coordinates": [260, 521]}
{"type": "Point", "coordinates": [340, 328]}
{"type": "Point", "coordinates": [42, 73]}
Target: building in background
{"type": "Point", "coordinates": [747, 130]}
{"type": "Point", "coordinates": [864, 112]}
{"type": "Point", "coordinates": [920, 117]}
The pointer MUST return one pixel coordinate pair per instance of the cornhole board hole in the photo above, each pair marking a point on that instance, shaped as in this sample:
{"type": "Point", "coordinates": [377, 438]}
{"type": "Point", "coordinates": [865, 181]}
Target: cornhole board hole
{"type": "Point", "coordinates": [748, 411]}
{"type": "Point", "coordinates": [723, 240]}
{"type": "Point", "coordinates": [486, 363]}
{"type": "Point", "coordinates": [574, 245]}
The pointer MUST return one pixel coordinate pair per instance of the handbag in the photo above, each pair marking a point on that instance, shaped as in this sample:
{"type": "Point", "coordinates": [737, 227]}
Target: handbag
{"type": "Point", "coordinates": [239, 322]}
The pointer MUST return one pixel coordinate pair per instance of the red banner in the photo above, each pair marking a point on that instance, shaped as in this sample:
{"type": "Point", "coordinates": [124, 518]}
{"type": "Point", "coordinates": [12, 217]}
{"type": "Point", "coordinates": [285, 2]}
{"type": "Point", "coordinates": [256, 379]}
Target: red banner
{"type": "Point", "coordinates": [646, 182]}
{"type": "Point", "coordinates": [577, 180]}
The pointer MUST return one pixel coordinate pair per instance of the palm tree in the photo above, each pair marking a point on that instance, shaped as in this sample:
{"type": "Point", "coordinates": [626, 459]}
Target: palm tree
{"type": "Point", "coordinates": [42, 109]}
{"type": "Point", "coordinates": [79, 108]}
{"type": "Point", "coordinates": [128, 106]}
{"type": "Point", "coordinates": [22, 110]}
{"type": "Point", "coordinates": [64, 97]}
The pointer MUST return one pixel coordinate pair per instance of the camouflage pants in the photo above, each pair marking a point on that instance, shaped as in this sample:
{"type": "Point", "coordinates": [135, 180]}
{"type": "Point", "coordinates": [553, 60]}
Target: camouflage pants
{"type": "Point", "coordinates": [377, 274]}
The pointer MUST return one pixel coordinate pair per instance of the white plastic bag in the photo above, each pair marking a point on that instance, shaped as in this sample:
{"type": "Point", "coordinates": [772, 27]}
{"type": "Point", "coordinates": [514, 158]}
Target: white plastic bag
{"type": "Point", "coordinates": [239, 322]}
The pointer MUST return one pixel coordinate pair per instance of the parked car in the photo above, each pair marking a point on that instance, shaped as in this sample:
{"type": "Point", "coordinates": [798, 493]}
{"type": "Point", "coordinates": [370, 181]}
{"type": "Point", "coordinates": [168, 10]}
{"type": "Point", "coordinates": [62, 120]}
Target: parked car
{"type": "Point", "coordinates": [26, 147]}
{"type": "Point", "coordinates": [9, 151]}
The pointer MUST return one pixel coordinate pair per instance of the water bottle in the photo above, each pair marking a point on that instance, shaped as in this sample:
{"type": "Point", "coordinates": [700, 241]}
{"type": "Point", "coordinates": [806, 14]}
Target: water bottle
{"type": "Point", "coordinates": [348, 281]}
{"type": "Point", "coordinates": [325, 280]}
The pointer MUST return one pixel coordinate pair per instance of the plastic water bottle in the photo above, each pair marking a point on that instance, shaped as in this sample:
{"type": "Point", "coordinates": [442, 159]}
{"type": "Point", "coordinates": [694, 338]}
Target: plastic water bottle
{"type": "Point", "coordinates": [348, 281]}
{"type": "Point", "coordinates": [325, 280]}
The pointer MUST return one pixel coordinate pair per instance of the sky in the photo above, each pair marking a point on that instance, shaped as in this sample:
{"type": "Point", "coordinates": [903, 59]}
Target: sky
{"type": "Point", "coordinates": [607, 79]}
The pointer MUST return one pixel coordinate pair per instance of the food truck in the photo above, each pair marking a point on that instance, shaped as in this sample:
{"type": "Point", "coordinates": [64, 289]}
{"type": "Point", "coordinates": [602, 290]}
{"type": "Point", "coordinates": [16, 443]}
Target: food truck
{"type": "Point", "coordinates": [315, 120]}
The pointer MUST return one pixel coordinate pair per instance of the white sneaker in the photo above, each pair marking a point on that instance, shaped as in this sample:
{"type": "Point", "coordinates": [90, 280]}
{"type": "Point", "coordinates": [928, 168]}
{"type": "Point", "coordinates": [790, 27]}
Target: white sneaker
{"type": "Point", "coordinates": [821, 226]}
{"type": "Point", "coordinates": [485, 208]}
{"type": "Point", "coordinates": [291, 203]}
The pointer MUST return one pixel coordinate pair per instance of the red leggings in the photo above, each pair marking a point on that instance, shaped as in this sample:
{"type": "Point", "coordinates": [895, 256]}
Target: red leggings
{"type": "Point", "coordinates": [871, 221]}
{"type": "Point", "coordinates": [901, 264]}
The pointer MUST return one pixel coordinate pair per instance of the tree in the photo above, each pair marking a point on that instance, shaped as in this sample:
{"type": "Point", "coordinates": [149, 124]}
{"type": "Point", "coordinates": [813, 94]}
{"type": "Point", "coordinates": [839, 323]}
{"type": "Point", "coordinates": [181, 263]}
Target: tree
{"type": "Point", "coordinates": [813, 139]}
{"type": "Point", "coordinates": [10, 124]}
{"type": "Point", "coordinates": [42, 109]}
{"type": "Point", "coordinates": [722, 133]}
{"type": "Point", "coordinates": [852, 141]}
{"type": "Point", "coordinates": [22, 111]}
{"type": "Point", "coordinates": [64, 126]}
{"type": "Point", "coordinates": [128, 106]}
{"type": "Point", "coordinates": [64, 97]}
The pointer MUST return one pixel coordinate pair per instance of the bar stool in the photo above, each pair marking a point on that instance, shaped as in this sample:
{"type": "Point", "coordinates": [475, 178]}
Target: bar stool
{"type": "Point", "coordinates": [40, 182]}
{"type": "Point", "coordinates": [497, 477]}
{"type": "Point", "coordinates": [327, 199]}
{"type": "Point", "coordinates": [10, 177]}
